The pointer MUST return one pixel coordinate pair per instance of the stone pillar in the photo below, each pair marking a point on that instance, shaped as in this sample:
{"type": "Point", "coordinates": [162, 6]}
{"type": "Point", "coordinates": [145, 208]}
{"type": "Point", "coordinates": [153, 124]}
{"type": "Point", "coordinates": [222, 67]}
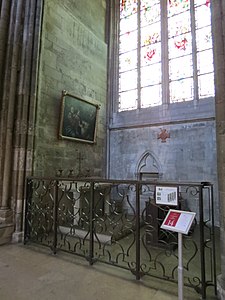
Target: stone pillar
{"type": "Point", "coordinates": [17, 115]}
{"type": "Point", "coordinates": [218, 27]}
{"type": "Point", "coordinates": [6, 214]}
{"type": "Point", "coordinates": [26, 105]}
{"type": "Point", "coordinates": [4, 24]}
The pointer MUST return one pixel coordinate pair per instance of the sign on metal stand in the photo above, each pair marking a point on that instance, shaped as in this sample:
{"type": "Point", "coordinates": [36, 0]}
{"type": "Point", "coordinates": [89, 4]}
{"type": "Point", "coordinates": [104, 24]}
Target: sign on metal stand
{"type": "Point", "coordinates": [179, 221]}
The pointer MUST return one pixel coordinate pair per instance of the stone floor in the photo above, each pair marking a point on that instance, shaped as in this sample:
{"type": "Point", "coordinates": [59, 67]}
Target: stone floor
{"type": "Point", "coordinates": [32, 272]}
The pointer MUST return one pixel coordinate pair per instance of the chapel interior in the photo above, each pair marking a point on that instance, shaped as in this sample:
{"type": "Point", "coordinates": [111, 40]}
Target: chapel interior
{"type": "Point", "coordinates": [103, 102]}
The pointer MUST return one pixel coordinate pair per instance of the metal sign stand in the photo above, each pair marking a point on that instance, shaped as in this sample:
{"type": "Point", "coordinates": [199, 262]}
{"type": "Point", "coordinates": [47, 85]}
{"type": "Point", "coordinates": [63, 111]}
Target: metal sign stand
{"type": "Point", "coordinates": [180, 268]}
{"type": "Point", "coordinates": [180, 222]}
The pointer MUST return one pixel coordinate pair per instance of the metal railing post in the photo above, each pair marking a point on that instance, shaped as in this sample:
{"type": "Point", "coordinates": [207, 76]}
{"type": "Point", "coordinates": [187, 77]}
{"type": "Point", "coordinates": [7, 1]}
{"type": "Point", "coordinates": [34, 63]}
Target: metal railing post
{"type": "Point", "coordinates": [91, 225]}
{"type": "Point", "coordinates": [55, 215]}
{"type": "Point", "coordinates": [213, 240]}
{"type": "Point", "coordinates": [137, 232]}
{"type": "Point", "coordinates": [202, 241]}
{"type": "Point", "coordinates": [27, 206]}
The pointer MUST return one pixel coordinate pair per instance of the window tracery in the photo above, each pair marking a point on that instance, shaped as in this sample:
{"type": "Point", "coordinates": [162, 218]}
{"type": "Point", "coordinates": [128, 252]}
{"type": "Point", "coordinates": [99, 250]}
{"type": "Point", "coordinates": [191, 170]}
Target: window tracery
{"type": "Point", "coordinates": [164, 46]}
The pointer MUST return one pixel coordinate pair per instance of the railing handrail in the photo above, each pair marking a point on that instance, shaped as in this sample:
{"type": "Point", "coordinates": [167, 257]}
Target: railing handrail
{"type": "Point", "coordinates": [125, 181]}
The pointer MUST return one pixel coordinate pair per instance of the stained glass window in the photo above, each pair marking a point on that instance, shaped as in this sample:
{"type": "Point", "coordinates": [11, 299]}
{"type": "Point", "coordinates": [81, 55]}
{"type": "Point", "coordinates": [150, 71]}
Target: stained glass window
{"type": "Point", "coordinates": [180, 50]}
{"type": "Point", "coordinates": [205, 67]}
{"type": "Point", "coordinates": [164, 45]}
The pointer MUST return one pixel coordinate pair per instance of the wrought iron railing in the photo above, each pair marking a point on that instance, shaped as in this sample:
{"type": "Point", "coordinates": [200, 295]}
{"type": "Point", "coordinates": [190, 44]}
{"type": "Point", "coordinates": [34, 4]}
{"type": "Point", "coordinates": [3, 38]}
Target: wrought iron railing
{"type": "Point", "coordinates": [118, 223]}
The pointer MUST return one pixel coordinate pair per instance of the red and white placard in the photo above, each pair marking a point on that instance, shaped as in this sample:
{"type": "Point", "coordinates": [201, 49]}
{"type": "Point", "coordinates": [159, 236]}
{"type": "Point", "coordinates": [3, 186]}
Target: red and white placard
{"type": "Point", "coordinates": [178, 221]}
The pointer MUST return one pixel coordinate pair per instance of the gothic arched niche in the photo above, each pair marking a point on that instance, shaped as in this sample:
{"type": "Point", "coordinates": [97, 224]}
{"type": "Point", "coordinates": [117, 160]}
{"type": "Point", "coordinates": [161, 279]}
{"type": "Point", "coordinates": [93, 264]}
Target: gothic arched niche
{"type": "Point", "coordinates": [148, 167]}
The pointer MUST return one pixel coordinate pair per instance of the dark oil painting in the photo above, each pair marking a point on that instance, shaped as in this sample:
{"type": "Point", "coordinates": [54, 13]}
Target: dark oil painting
{"type": "Point", "coordinates": [78, 119]}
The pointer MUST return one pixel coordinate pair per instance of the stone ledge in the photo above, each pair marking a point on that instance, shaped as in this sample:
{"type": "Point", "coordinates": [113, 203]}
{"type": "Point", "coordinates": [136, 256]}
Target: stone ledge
{"type": "Point", "coordinates": [6, 231]}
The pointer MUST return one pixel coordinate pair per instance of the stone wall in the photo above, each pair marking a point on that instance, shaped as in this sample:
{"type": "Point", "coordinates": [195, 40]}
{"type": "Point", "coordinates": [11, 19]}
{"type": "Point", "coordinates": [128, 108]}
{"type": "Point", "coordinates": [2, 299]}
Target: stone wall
{"type": "Point", "coordinates": [188, 154]}
{"type": "Point", "coordinates": [73, 58]}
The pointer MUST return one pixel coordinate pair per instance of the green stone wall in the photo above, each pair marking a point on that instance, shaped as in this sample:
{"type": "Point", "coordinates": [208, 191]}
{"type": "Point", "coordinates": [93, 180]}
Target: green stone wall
{"type": "Point", "coordinates": [73, 58]}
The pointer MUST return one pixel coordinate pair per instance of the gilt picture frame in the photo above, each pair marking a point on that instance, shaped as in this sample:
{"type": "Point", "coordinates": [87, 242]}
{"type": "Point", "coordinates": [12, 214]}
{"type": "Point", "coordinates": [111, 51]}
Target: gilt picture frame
{"type": "Point", "coordinates": [78, 119]}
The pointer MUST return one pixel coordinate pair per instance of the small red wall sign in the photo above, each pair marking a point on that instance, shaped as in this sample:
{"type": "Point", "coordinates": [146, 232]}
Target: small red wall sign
{"type": "Point", "coordinates": [178, 221]}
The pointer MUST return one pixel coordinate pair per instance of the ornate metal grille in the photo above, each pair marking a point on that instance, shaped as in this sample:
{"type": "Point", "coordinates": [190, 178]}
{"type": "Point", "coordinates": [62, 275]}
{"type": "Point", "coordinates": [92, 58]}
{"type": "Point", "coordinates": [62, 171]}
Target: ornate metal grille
{"type": "Point", "coordinates": [118, 223]}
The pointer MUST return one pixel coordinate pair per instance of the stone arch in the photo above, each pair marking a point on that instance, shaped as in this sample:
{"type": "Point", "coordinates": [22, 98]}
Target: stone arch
{"type": "Point", "coordinates": [148, 163]}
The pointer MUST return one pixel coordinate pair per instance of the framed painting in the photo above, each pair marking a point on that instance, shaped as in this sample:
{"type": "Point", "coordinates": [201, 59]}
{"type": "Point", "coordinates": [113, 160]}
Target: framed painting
{"type": "Point", "coordinates": [78, 119]}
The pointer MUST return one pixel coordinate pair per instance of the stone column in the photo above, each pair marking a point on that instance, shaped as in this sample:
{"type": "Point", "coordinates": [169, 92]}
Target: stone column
{"type": "Point", "coordinates": [6, 57]}
{"type": "Point", "coordinates": [17, 115]}
{"type": "Point", "coordinates": [25, 112]}
{"type": "Point", "coordinates": [218, 27]}
{"type": "Point", "coordinates": [4, 24]}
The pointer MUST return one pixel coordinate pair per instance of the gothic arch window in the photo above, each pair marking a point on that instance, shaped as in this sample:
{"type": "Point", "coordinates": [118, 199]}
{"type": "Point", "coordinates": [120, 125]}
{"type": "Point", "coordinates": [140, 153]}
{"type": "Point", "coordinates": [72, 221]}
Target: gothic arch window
{"type": "Point", "coordinates": [164, 54]}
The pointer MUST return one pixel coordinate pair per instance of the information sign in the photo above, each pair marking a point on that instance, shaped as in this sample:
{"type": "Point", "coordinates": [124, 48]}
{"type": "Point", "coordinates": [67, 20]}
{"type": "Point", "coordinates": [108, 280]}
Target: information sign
{"type": "Point", "coordinates": [178, 221]}
{"type": "Point", "coordinates": [166, 195]}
